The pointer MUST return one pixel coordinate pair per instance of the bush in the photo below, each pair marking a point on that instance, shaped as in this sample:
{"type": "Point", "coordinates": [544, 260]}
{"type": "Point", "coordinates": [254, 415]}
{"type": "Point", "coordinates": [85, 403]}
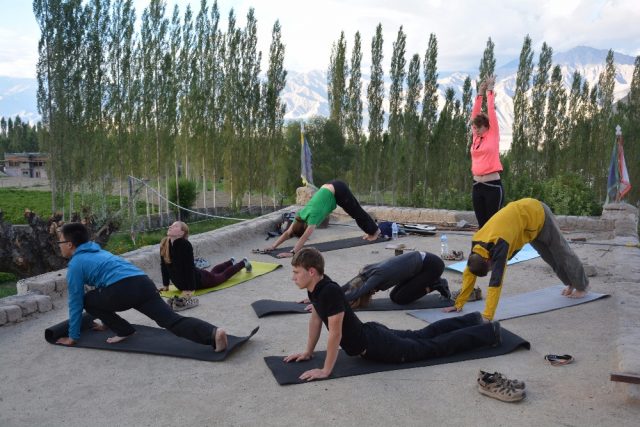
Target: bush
{"type": "Point", "coordinates": [184, 197]}
{"type": "Point", "coordinates": [568, 194]}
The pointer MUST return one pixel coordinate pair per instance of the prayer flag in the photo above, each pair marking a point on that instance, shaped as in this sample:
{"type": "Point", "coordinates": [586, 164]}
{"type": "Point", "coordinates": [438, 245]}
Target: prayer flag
{"type": "Point", "coordinates": [618, 184]}
{"type": "Point", "coordinates": [306, 171]}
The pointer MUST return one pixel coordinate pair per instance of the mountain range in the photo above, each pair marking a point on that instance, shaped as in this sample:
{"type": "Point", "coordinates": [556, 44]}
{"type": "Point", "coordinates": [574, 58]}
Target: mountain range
{"type": "Point", "coordinates": [306, 93]}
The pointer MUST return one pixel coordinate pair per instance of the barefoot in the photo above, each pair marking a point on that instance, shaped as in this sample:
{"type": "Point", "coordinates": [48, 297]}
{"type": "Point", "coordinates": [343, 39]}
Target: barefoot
{"type": "Point", "coordinates": [117, 339]}
{"type": "Point", "coordinates": [372, 237]}
{"type": "Point", "coordinates": [220, 340]}
{"type": "Point", "coordinates": [98, 327]}
{"type": "Point", "coordinates": [186, 294]}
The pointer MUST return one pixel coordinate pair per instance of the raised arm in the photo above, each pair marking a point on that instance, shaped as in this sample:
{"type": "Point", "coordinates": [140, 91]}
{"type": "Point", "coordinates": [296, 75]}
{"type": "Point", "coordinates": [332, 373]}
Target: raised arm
{"type": "Point", "coordinates": [477, 105]}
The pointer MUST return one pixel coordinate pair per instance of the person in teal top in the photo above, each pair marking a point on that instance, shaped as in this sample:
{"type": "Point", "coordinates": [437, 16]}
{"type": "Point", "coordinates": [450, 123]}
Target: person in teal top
{"type": "Point", "coordinates": [330, 195]}
{"type": "Point", "coordinates": [119, 286]}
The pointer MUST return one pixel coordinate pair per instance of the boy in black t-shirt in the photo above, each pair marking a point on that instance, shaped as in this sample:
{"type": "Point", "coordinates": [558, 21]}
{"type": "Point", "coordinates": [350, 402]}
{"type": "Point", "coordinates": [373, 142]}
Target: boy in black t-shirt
{"type": "Point", "coordinates": [372, 340]}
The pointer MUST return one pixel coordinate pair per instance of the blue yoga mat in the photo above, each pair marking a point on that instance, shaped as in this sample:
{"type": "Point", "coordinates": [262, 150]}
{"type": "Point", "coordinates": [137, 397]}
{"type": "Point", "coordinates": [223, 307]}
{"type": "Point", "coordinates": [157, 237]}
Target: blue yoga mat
{"type": "Point", "coordinates": [510, 307]}
{"type": "Point", "coordinates": [525, 254]}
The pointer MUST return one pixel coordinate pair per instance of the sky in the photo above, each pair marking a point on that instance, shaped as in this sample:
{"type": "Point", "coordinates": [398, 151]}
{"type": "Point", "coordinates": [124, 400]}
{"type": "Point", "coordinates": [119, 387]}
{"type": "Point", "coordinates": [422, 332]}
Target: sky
{"type": "Point", "coordinates": [309, 29]}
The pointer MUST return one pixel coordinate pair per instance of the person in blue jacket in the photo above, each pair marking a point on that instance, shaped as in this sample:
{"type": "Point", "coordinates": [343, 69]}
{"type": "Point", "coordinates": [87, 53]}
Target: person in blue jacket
{"type": "Point", "coordinates": [119, 286]}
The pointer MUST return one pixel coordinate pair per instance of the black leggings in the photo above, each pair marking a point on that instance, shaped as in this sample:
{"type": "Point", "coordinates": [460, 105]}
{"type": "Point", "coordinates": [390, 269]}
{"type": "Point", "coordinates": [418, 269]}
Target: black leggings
{"type": "Point", "coordinates": [441, 338]}
{"type": "Point", "coordinates": [416, 287]}
{"type": "Point", "coordinates": [140, 293]}
{"type": "Point", "coordinates": [488, 198]}
{"type": "Point", "coordinates": [347, 201]}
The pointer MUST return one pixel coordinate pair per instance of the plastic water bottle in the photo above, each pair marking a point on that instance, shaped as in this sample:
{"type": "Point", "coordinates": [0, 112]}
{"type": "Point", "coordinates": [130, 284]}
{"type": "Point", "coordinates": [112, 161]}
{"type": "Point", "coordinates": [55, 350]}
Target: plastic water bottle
{"type": "Point", "coordinates": [444, 245]}
{"type": "Point", "coordinates": [394, 231]}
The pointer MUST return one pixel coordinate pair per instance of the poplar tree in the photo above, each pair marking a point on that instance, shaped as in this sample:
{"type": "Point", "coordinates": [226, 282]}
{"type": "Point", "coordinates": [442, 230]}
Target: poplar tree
{"type": "Point", "coordinates": [375, 98]}
{"type": "Point", "coordinates": [520, 143]}
{"type": "Point", "coordinates": [336, 81]}
{"type": "Point", "coordinates": [353, 113]}
{"type": "Point", "coordinates": [396, 93]}
{"type": "Point", "coordinates": [274, 108]}
{"type": "Point", "coordinates": [487, 67]}
{"type": "Point", "coordinates": [429, 101]}
{"type": "Point", "coordinates": [538, 107]}
{"type": "Point", "coordinates": [411, 120]}
{"type": "Point", "coordinates": [554, 123]}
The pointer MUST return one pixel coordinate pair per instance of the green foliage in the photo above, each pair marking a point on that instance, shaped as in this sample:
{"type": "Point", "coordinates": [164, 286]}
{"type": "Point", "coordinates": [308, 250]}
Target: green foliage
{"type": "Point", "coordinates": [13, 202]}
{"type": "Point", "coordinates": [7, 284]}
{"type": "Point", "coordinates": [567, 194]}
{"type": "Point", "coordinates": [185, 196]}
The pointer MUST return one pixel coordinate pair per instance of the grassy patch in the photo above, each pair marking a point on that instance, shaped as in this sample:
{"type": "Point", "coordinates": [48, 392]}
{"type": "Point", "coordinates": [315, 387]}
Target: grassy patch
{"type": "Point", "coordinates": [13, 202]}
{"type": "Point", "coordinates": [7, 284]}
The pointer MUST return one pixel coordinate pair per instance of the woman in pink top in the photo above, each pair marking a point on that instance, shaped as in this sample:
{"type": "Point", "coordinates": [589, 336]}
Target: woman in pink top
{"type": "Point", "coordinates": [488, 193]}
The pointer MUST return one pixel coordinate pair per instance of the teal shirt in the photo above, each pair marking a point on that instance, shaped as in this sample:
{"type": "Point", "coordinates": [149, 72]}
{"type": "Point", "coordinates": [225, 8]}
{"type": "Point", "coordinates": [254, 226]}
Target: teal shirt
{"type": "Point", "coordinates": [321, 204]}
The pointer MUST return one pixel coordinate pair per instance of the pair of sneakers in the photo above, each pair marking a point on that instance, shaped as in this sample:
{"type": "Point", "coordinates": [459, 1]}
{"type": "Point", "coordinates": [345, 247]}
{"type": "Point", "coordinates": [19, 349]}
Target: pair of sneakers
{"type": "Point", "coordinates": [500, 387]}
{"type": "Point", "coordinates": [183, 303]}
{"type": "Point", "coordinates": [247, 265]}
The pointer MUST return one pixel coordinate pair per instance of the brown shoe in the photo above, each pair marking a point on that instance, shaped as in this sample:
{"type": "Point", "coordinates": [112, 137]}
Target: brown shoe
{"type": "Point", "coordinates": [500, 388]}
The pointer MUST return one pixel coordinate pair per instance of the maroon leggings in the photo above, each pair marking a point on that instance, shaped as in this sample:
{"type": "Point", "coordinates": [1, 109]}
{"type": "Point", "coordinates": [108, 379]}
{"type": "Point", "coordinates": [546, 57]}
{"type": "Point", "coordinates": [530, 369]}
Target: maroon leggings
{"type": "Point", "coordinates": [218, 274]}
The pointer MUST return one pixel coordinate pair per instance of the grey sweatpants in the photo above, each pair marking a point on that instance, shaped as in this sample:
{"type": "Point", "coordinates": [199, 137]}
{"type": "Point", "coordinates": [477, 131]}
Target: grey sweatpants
{"type": "Point", "coordinates": [555, 251]}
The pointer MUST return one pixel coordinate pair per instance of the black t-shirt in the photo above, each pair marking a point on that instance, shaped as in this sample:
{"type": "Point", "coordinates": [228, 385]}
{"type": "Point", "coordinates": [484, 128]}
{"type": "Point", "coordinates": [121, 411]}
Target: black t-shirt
{"type": "Point", "coordinates": [328, 300]}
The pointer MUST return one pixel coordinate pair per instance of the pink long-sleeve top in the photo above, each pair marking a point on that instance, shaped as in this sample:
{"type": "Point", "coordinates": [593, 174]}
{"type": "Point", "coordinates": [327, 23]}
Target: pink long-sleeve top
{"type": "Point", "coordinates": [485, 149]}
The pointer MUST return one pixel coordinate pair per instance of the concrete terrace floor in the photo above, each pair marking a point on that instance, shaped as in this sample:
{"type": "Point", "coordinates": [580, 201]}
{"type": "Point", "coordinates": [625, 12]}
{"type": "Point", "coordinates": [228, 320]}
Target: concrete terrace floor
{"type": "Point", "coordinates": [46, 385]}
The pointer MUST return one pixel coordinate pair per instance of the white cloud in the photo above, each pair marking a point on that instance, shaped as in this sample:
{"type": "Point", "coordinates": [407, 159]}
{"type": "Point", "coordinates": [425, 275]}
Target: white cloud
{"type": "Point", "coordinates": [461, 27]}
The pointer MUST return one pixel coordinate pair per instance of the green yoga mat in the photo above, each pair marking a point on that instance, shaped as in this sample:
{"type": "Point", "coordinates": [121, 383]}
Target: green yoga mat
{"type": "Point", "coordinates": [259, 268]}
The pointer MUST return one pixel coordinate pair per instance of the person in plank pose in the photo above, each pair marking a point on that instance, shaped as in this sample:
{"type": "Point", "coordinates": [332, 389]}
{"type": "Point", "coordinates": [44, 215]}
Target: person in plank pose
{"type": "Point", "coordinates": [371, 340]}
{"type": "Point", "coordinates": [119, 286]}
{"type": "Point", "coordinates": [323, 202]}
{"type": "Point", "coordinates": [520, 222]}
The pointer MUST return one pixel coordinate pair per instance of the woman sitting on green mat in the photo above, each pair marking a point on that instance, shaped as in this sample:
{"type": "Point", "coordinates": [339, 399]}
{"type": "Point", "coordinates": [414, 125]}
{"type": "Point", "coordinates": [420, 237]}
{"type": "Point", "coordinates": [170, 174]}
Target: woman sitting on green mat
{"type": "Point", "coordinates": [177, 264]}
{"type": "Point", "coordinates": [330, 195]}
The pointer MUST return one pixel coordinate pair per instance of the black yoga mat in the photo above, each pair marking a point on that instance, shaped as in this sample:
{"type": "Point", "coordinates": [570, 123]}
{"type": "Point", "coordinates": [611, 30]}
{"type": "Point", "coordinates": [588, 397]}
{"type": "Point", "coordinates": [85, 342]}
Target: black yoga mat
{"type": "Point", "coordinates": [332, 245]}
{"type": "Point", "coordinates": [268, 307]}
{"type": "Point", "coordinates": [146, 340]}
{"type": "Point", "coordinates": [347, 366]}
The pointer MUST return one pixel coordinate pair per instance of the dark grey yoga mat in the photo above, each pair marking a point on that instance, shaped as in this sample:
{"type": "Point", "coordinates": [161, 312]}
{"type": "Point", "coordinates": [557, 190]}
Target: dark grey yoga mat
{"type": "Point", "coordinates": [146, 340]}
{"type": "Point", "coordinates": [268, 307]}
{"type": "Point", "coordinates": [347, 366]}
{"type": "Point", "coordinates": [332, 245]}
{"type": "Point", "coordinates": [512, 306]}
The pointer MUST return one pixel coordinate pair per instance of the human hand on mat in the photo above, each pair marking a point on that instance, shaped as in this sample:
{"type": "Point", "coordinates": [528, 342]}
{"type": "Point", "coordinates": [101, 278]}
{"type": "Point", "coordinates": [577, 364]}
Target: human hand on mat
{"type": "Point", "coordinates": [285, 255]}
{"type": "Point", "coordinates": [98, 327]}
{"type": "Point", "coordinates": [314, 374]}
{"type": "Point", "coordinates": [450, 309]}
{"type": "Point", "coordinates": [66, 341]}
{"type": "Point", "coordinates": [298, 357]}
{"type": "Point", "coordinates": [572, 292]}
{"type": "Point", "coordinates": [163, 289]}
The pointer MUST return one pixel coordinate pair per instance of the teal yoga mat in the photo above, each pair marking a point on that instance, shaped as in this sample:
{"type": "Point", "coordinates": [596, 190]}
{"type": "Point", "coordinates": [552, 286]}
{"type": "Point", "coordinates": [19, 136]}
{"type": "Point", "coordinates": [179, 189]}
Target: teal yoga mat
{"type": "Point", "coordinates": [525, 254]}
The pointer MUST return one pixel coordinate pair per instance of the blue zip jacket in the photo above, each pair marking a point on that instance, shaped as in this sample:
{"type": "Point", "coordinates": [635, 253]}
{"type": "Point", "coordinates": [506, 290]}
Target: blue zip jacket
{"type": "Point", "coordinates": [92, 266]}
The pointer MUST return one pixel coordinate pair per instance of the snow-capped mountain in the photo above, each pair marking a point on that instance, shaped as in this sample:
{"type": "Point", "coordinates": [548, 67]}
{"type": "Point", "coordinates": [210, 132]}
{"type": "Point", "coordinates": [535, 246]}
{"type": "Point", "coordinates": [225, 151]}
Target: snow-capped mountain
{"type": "Point", "coordinates": [589, 62]}
{"type": "Point", "coordinates": [306, 93]}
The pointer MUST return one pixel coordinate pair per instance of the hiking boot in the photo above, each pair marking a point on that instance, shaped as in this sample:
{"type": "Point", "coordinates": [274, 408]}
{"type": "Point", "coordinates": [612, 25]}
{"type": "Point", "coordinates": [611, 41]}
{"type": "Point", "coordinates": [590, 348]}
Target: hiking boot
{"type": "Point", "coordinates": [180, 304]}
{"type": "Point", "coordinates": [499, 388]}
{"type": "Point", "coordinates": [517, 384]}
{"type": "Point", "coordinates": [247, 265]}
{"type": "Point", "coordinates": [497, 331]}
{"type": "Point", "coordinates": [442, 286]}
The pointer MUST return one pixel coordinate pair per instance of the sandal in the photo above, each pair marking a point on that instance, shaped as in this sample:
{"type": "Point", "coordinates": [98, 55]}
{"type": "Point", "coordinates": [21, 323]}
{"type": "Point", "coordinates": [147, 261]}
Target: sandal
{"type": "Point", "coordinates": [557, 360]}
